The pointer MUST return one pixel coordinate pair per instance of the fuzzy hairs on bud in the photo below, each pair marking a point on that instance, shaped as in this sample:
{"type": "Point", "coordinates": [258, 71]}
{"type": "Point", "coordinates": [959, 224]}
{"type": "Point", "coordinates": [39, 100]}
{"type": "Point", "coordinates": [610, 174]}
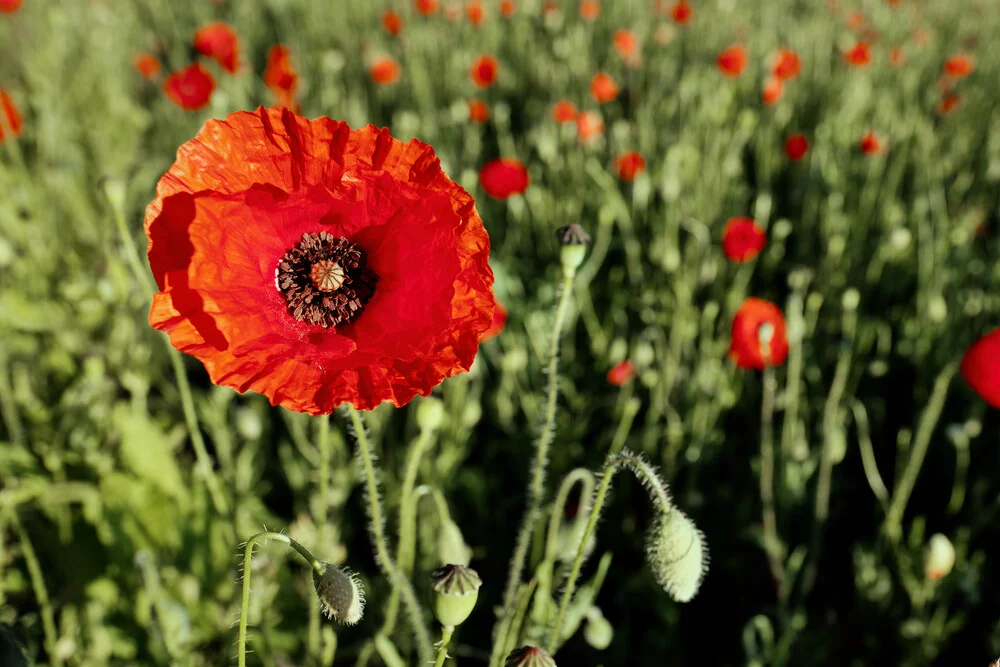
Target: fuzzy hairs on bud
{"type": "Point", "coordinates": [340, 593]}
{"type": "Point", "coordinates": [677, 554]}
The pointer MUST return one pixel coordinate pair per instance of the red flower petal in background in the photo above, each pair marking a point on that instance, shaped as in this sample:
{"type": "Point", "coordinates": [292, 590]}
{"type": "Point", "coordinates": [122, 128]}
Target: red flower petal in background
{"type": "Point", "coordinates": [603, 88]}
{"type": "Point", "coordinates": [796, 147]}
{"type": "Point", "coordinates": [786, 65]}
{"type": "Point", "coordinates": [219, 41]}
{"type": "Point", "coordinates": [870, 143]}
{"type": "Point", "coordinates": [475, 13]}
{"type": "Point", "coordinates": [9, 6]}
{"type": "Point", "coordinates": [949, 103]}
{"type": "Point", "coordinates": [855, 20]}
{"type": "Point", "coordinates": [758, 336]}
{"type": "Point", "coordinates": [981, 367]}
{"type": "Point", "coordinates": [504, 177]}
{"type": "Point", "coordinates": [772, 91]}
{"type": "Point", "coordinates": [507, 8]}
{"type": "Point", "coordinates": [426, 7]}
{"type": "Point", "coordinates": [147, 65]}
{"type": "Point", "coordinates": [897, 57]}
{"type": "Point", "coordinates": [11, 120]}
{"type": "Point", "coordinates": [681, 12]}
{"type": "Point", "coordinates": [621, 374]}
{"type": "Point", "coordinates": [590, 10]}
{"type": "Point", "coordinates": [392, 22]}
{"type": "Point", "coordinates": [625, 43]}
{"type": "Point", "coordinates": [384, 71]}
{"type": "Point", "coordinates": [478, 111]}
{"type": "Point", "coordinates": [630, 165]}
{"type": "Point", "coordinates": [247, 256]}
{"type": "Point", "coordinates": [858, 55]}
{"type": "Point", "coordinates": [280, 77]}
{"type": "Point", "coordinates": [959, 66]}
{"type": "Point", "coordinates": [499, 320]}
{"type": "Point", "coordinates": [742, 239]}
{"type": "Point", "coordinates": [564, 112]}
{"type": "Point", "coordinates": [589, 125]}
{"type": "Point", "coordinates": [190, 88]}
{"type": "Point", "coordinates": [732, 61]}
{"type": "Point", "coordinates": [484, 71]}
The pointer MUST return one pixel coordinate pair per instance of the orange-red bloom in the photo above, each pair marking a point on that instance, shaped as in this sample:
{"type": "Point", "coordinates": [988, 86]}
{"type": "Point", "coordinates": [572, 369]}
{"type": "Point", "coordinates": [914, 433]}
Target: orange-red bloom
{"type": "Point", "coordinates": [384, 71]}
{"type": "Point", "coordinates": [625, 43]}
{"type": "Point", "coordinates": [392, 22]}
{"type": "Point", "coordinates": [758, 336]}
{"type": "Point", "coordinates": [219, 41]}
{"type": "Point", "coordinates": [589, 125]}
{"type": "Point", "coordinates": [190, 88]}
{"type": "Point", "coordinates": [564, 112]}
{"type": "Point", "coordinates": [742, 239]}
{"type": "Point", "coordinates": [681, 12]}
{"type": "Point", "coordinates": [478, 111]}
{"type": "Point", "coordinates": [949, 103]}
{"type": "Point", "coordinates": [981, 367]}
{"type": "Point", "coordinates": [590, 10]}
{"type": "Point", "coordinates": [871, 144]}
{"type": "Point", "coordinates": [316, 264]}
{"type": "Point", "coordinates": [475, 13]}
{"type": "Point", "coordinates": [959, 66]}
{"type": "Point", "coordinates": [603, 88]}
{"type": "Point", "coordinates": [11, 121]}
{"type": "Point", "coordinates": [732, 61]}
{"type": "Point", "coordinates": [859, 55]}
{"type": "Point", "coordinates": [484, 71]}
{"type": "Point", "coordinates": [796, 146]}
{"type": "Point", "coordinates": [504, 177]}
{"type": "Point", "coordinates": [786, 65]}
{"type": "Point", "coordinates": [426, 7]}
{"type": "Point", "coordinates": [9, 6]}
{"type": "Point", "coordinates": [148, 65]}
{"type": "Point", "coordinates": [772, 91]}
{"type": "Point", "coordinates": [622, 373]}
{"type": "Point", "coordinates": [630, 165]}
{"type": "Point", "coordinates": [280, 77]}
{"type": "Point", "coordinates": [499, 320]}
{"type": "Point", "coordinates": [507, 8]}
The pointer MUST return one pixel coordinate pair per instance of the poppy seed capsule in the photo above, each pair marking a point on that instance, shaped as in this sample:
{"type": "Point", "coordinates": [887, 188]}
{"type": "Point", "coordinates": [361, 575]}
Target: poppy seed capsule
{"type": "Point", "coordinates": [340, 593]}
{"type": "Point", "coordinates": [457, 590]}
{"type": "Point", "coordinates": [677, 555]}
{"type": "Point", "coordinates": [529, 656]}
{"type": "Point", "coordinates": [573, 240]}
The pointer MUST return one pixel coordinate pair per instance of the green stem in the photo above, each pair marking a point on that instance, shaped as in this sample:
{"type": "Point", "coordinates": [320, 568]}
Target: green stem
{"type": "Point", "coordinates": [41, 592]}
{"type": "Point", "coordinates": [323, 446]}
{"type": "Point", "coordinates": [770, 522]}
{"type": "Point", "coordinates": [868, 461]}
{"type": "Point", "coordinates": [538, 471]}
{"type": "Point", "coordinates": [442, 654]}
{"type": "Point", "coordinates": [377, 528]}
{"type": "Point", "coordinates": [8, 406]}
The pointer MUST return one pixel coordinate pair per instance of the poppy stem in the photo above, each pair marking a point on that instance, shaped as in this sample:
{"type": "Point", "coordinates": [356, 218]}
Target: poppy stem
{"type": "Point", "coordinates": [537, 487]}
{"type": "Point", "coordinates": [442, 654]}
{"type": "Point", "coordinates": [382, 556]}
{"type": "Point", "coordinates": [323, 446]}
{"type": "Point", "coordinates": [41, 592]}
{"type": "Point", "coordinates": [772, 545]}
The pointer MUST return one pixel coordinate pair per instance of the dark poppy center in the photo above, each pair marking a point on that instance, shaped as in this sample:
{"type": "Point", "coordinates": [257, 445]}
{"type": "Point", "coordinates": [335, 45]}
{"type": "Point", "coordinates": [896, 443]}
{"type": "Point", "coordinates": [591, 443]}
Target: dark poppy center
{"type": "Point", "coordinates": [325, 280]}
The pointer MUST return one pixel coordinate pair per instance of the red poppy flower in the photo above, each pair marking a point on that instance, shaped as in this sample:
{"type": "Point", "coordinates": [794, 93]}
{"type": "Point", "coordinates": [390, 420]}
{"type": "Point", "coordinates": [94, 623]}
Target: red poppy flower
{"type": "Point", "coordinates": [949, 103]}
{"type": "Point", "coordinates": [316, 264]}
{"type": "Point", "coordinates": [603, 88]}
{"type": "Point", "coordinates": [499, 320]}
{"type": "Point", "coordinates": [981, 367]}
{"type": "Point", "coordinates": [564, 112]}
{"type": "Point", "coordinates": [474, 11]}
{"type": "Point", "coordinates": [9, 6]}
{"type": "Point", "coordinates": [484, 71]}
{"type": "Point", "coordinates": [280, 77]}
{"type": "Point", "coordinates": [218, 41]}
{"type": "Point", "coordinates": [786, 65]}
{"type": "Point", "coordinates": [478, 111]}
{"type": "Point", "coordinates": [507, 8]}
{"type": "Point", "coordinates": [859, 55]}
{"type": "Point", "coordinates": [147, 65]}
{"type": "Point", "coordinates": [384, 71]}
{"type": "Point", "coordinates": [681, 12]}
{"type": "Point", "coordinates": [590, 10]}
{"type": "Point", "coordinates": [621, 374]}
{"type": "Point", "coordinates": [772, 91]}
{"type": "Point", "coordinates": [630, 165]}
{"type": "Point", "coordinates": [959, 66]}
{"type": "Point", "coordinates": [796, 147]}
{"type": "Point", "coordinates": [589, 125]}
{"type": "Point", "coordinates": [190, 88]}
{"type": "Point", "coordinates": [758, 335]}
{"type": "Point", "coordinates": [897, 57]}
{"type": "Point", "coordinates": [504, 177]}
{"type": "Point", "coordinates": [742, 239]}
{"type": "Point", "coordinates": [426, 7]}
{"type": "Point", "coordinates": [870, 143]}
{"type": "Point", "coordinates": [625, 43]}
{"type": "Point", "coordinates": [11, 120]}
{"type": "Point", "coordinates": [732, 61]}
{"type": "Point", "coordinates": [392, 22]}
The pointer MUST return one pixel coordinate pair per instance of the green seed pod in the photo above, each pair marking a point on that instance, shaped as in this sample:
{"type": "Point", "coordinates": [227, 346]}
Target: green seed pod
{"type": "Point", "coordinates": [529, 656]}
{"type": "Point", "coordinates": [451, 545]}
{"type": "Point", "coordinates": [598, 631]}
{"type": "Point", "coordinates": [940, 558]}
{"type": "Point", "coordinates": [340, 593]}
{"type": "Point", "coordinates": [430, 413]}
{"type": "Point", "coordinates": [677, 555]}
{"type": "Point", "coordinates": [457, 589]}
{"type": "Point", "coordinates": [573, 240]}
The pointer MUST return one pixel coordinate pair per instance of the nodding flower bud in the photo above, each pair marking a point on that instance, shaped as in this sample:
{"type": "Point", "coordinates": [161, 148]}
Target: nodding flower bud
{"type": "Point", "coordinates": [677, 555]}
{"type": "Point", "coordinates": [573, 240]}
{"type": "Point", "coordinates": [457, 590]}
{"type": "Point", "coordinates": [430, 413]}
{"type": "Point", "coordinates": [529, 656]}
{"type": "Point", "coordinates": [598, 631]}
{"type": "Point", "coordinates": [940, 558]}
{"type": "Point", "coordinates": [451, 545]}
{"type": "Point", "coordinates": [340, 593]}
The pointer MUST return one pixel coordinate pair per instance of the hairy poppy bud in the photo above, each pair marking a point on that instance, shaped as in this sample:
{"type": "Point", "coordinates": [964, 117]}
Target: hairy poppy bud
{"type": "Point", "coordinates": [598, 631]}
{"type": "Point", "coordinates": [451, 545]}
{"type": "Point", "coordinates": [940, 558]}
{"type": "Point", "coordinates": [430, 413]}
{"type": "Point", "coordinates": [573, 240]}
{"type": "Point", "coordinates": [677, 555]}
{"type": "Point", "coordinates": [529, 656]}
{"type": "Point", "coordinates": [457, 589]}
{"type": "Point", "coordinates": [340, 593]}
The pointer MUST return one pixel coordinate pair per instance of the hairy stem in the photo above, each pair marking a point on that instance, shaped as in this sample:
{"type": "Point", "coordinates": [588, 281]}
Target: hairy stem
{"type": "Point", "coordinates": [323, 446]}
{"type": "Point", "coordinates": [442, 654]}
{"type": "Point", "coordinates": [41, 592]}
{"type": "Point", "coordinates": [770, 522]}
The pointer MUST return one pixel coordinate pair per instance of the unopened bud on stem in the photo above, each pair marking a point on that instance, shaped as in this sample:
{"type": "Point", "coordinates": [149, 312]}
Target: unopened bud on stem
{"type": "Point", "coordinates": [676, 554]}
{"type": "Point", "coordinates": [340, 593]}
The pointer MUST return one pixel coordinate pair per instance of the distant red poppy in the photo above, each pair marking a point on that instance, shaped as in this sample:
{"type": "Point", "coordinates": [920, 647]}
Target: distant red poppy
{"type": "Point", "coordinates": [630, 165]}
{"type": "Point", "coordinates": [507, 8]}
{"type": "Point", "coordinates": [190, 88]}
{"type": "Point", "coordinates": [504, 177]}
{"type": "Point", "coordinates": [478, 111]}
{"type": "Point", "coordinates": [786, 65]}
{"type": "Point", "coordinates": [732, 61]}
{"type": "Point", "coordinates": [772, 91]}
{"type": "Point", "coordinates": [426, 7]}
{"type": "Point", "coordinates": [603, 88]}
{"type": "Point", "coordinates": [499, 320]}
{"type": "Point", "coordinates": [949, 103]}
{"type": "Point", "coordinates": [9, 6]}
{"type": "Point", "coordinates": [742, 239]}
{"type": "Point", "coordinates": [959, 66]}
{"type": "Point", "coordinates": [219, 42]}
{"type": "Point", "coordinates": [564, 112]}
{"type": "Point", "coordinates": [589, 125]}
{"type": "Point", "coordinates": [392, 22]}
{"type": "Point", "coordinates": [871, 144]}
{"type": "Point", "coordinates": [384, 71]}
{"type": "Point", "coordinates": [11, 121]}
{"type": "Point", "coordinates": [280, 76]}
{"type": "Point", "coordinates": [590, 10]}
{"type": "Point", "coordinates": [858, 55]}
{"type": "Point", "coordinates": [758, 336]}
{"type": "Point", "coordinates": [625, 43]}
{"type": "Point", "coordinates": [855, 20]}
{"type": "Point", "coordinates": [474, 11]}
{"type": "Point", "coordinates": [981, 367]}
{"type": "Point", "coordinates": [621, 374]}
{"type": "Point", "coordinates": [484, 71]}
{"type": "Point", "coordinates": [681, 12]}
{"type": "Point", "coordinates": [796, 146]}
{"type": "Point", "coordinates": [897, 57]}
{"type": "Point", "coordinates": [148, 65]}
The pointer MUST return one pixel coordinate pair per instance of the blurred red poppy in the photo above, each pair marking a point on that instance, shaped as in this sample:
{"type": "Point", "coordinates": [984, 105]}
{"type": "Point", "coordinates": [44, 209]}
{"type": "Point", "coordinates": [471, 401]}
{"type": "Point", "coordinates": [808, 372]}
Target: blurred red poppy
{"type": "Point", "coordinates": [9, 6]}
{"type": "Point", "coordinates": [384, 71]}
{"type": "Point", "coordinates": [426, 7]}
{"type": "Point", "coordinates": [959, 66]}
{"type": "Point", "coordinates": [732, 61]}
{"type": "Point", "coordinates": [758, 336]}
{"type": "Point", "coordinates": [786, 65]}
{"type": "Point", "coordinates": [858, 55]}
{"type": "Point", "coordinates": [190, 88]}
{"type": "Point", "coordinates": [474, 11]}
{"type": "Point", "coordinates": [280, 77]}
{"type": "Point", "coordinates": [478, 111]}
{"type": "Point", "coordinates": [564, 112]}
{"type": "Point", "coordinates": [504, 177]}
{"type": "Point", "coordinates": [484, 71]}
{"type": "Point", "coordinates": [855, 20]}
{"type": "Point", "coordinates": [219, 42]}
{"type": "Point", "coordinates": [603, 88]}
{"type": "Point", "coordinates": [316, 264]}
{"type": "Point", "coordinates": [507, 8]}
{"type": "Point", "coordinates": [499, 320]}
{"type": "Point", "coordinates": [772, 91]}
{"type": "Point", "coordinates": [897, 57]}
{"type": "Point", "coordinates": [870, 143]}
{"type": "Point", "coordinates": [630, 165]}
{"type": "Point", "coordinates": [625, 43]}
{"type": "Point", "coordinates": [590, 10]}
{"type": "Point", "coordinates": [742, 239]}
{"type": "Point", "coordinates": [681, 12]}
{"type": "Point", "coordinates": [392, 22]}
{"type": "Point", "coordinates": [621, 374]}
{"type": "Point", "coordinates": [589, 125]}
{"type": "Point", "coordinates": [949, 103]}
{"type": "Point", "coordinates": [11, 121]}
{"type": "Point", "coordinates": [981, 367]}
{"type": "Point", "coordinates": [148, 65]}
{"type": "Point", "coordinates": [796, 146]}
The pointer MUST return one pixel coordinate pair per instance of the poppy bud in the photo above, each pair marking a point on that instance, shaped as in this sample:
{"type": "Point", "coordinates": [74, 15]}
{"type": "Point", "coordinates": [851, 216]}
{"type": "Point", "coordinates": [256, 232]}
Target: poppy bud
{"type": "Point", "coordinates": [598, 631]}
{"type": "Point", "coordinates": [573, 240]}
{"type": "Point", "coordinates": [457, 589]}
{"type": "Point", "coordinates": [677, 555]}
{"type": "Point", "coordinates": [529, 656]}
{"type": "Point", "coordinates": [451, 545]}
{"type": "Point", "coordinates": [340, 593]}
{"type": "Point", "coordinates": [430, 414]}
{"type": "Point", "coordinates": [940, 558]}
{"type": "Point", "coordinates": [114, 190]}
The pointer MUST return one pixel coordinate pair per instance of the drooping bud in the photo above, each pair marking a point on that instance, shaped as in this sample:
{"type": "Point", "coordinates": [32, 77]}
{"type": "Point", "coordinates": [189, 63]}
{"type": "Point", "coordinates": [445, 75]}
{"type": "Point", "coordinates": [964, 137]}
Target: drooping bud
{"type": "Point", "coordinates": [940, 558]}
{"type": "Point", "coordinates": [598, 631]}
{"type": "Point", "coordinates": [457, 590]}
{"type": "Point", "coordinates": [573, 240]}
{"type": "Point", "coordinates": [340, 593]}
{"type": "Point", "coordinates": [677, 555]}
{"type": "Point", "coordinates": [529, 656]}
{"type": "Point", "coordinates": [452, 547]}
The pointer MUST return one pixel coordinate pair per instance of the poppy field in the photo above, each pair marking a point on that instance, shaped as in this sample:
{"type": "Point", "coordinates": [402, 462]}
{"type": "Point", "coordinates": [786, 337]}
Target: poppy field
{"type": "Point", "coordinates": [499, 332]}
